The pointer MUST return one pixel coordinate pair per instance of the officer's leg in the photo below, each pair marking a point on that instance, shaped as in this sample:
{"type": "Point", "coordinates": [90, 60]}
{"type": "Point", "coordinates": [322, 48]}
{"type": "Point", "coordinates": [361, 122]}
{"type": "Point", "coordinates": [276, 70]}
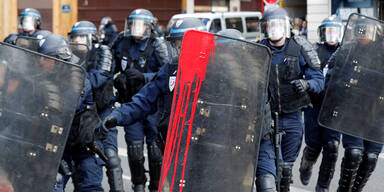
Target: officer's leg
{"type": "Point", "coordinates": [113, 165]}
{"type": "Point", "coordinates": [350, 163]}
{"type": "Point", "coordinates": [155, 156]}
{"type": "Point", "coordinates": [114, 171]}
{"type": "Point", "coordinates": [327, 167]}
{"type": "Point", "coordinates": [134, 136]}
{"type": "Point", "coordinates": [293, 127]}
{"type": "Point", "coordinates": [266, 168]}
{"type": "Point", "coordinates": [313, 140]}
{"type": "Point", "coordinates": [367, 166]}
{"type": "Point", "coordinates": [331, 140]}
{"type": "Point", "coordinates": [61, 179]}
{"type": "Point", "coordinates": [87, 174]}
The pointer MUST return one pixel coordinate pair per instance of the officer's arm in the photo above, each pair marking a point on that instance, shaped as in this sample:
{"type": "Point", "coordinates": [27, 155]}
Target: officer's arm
{"type": "Point", "coordinates": [314, 77]}
{"type": "Point", "coordinates": [97, 78]}
{"type": "Point", "coordinates": [144, 102]}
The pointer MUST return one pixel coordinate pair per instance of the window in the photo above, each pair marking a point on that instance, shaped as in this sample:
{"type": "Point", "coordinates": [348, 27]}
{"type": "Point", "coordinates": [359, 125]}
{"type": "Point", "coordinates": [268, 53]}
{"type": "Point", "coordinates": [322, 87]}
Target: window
{"type": "Point", "coordinates": [234, 23]}
{"type": "Point", "coordinates": [252, 24]}
{"type": "Point", "coordinates": [215, 26]}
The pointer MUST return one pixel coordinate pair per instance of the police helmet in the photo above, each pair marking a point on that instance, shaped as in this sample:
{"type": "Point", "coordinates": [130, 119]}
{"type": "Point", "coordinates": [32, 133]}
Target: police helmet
{"type": "Point", "coordinates": [182, 25]}
{"type": "Point", "coordinates": [275, 24]}
{"type": "Point", "coordinates": [29, 19]}
{"type": "Point", "coordinates": [139, 24]}
{"type": "Point", "coordinates": [55, 46]}
{"type": "Point", "coordinates": [331, 30]}
{"type": "Point", "coordinates": [233, 33]}
{"type": "Point", "coordinates": [365, 29]}
{"type": "Point", "coordinates": [84, 32]}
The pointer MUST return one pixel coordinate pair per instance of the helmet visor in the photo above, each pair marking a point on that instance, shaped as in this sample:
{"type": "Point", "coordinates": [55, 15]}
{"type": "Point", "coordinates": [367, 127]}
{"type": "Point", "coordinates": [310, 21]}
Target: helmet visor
{"type": "Point", "coordinates": [27, 23]}
{"type": "Point", "coordinates": [333, 34]}
{"type": "Point", "coordinates": [81, 39]}
{"type": "Point", "coordinates": [366, 32]}
{"type": "Point", "coordinates": [137, 28]}
{"type": "Point", "coordinates": [277, 28]}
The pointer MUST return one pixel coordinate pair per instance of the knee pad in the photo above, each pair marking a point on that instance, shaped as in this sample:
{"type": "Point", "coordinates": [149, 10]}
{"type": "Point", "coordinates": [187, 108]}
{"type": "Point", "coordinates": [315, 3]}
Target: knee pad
{"type": "Point", "coordinates": [352, 157]}
{"type": "Point", "coordinates": [266, 183]}
{"type": "Point", "coordinates": [370, 160]}
{"type": "Point", "coordinates": [311, 154]}
{"type": "Point", "coordinates": [154, 152]}
{"type": "Point", "coordinates": [332, 146]}
{"type": "Point", "coordinates": [113, 158]}
{"type": "Point", "coordinates": [331, 150]}
{"type": "Point", "coordinates": [136, 150]}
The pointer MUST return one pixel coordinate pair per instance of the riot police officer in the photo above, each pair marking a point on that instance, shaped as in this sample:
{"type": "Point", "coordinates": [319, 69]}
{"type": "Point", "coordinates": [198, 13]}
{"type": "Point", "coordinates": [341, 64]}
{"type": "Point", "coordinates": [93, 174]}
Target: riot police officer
{"type": "Point", "coordinates": [108, 31]}
{"type": "Point", "coordinates": [316, 136]}
{"type": "Point", "coordinates": [100, 68]}
{"type": "Point", "coordinates": [29, 22]}
{"type": "Point", "coordinates": [360, 156]}
{"type": "Point", "coordinates": [137, 48]}
{"type": "Point", "coordinates": [292, 59]}
{"type": "Point", "coordinates": [77, 158]}
{"type": "Point", "coordinates": [156, 92]}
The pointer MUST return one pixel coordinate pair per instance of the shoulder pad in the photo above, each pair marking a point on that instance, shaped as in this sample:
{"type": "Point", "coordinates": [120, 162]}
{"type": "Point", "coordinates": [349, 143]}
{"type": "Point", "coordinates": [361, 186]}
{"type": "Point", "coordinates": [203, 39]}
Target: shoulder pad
{"type": "Point", "coordinates": [309, 53]}
{"type": "Point", "coordinates": [105, 47]}
{"type": "Point", "coordinates": [11, 38]}
{"type": "Point", "coordinates": [316, 45]}
{"type": "Point", "coordinates": [161, 50]}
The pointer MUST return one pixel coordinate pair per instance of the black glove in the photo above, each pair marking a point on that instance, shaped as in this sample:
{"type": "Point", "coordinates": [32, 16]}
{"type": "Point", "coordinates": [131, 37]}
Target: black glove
{"type": "Point", "coordinates": [301, 85]}
{"type": "Point", "coordinates": [109, 122]}
{"type": "Point", "coordinates": [128, 84]}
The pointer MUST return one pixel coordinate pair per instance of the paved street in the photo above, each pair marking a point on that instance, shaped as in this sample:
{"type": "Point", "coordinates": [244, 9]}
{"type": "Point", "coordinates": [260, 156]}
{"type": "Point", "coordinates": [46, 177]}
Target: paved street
{"type": "Point", "coordinates": [375, 184]}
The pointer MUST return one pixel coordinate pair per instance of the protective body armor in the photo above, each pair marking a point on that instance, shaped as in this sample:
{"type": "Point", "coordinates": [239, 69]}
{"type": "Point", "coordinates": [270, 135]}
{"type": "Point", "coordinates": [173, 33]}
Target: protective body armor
{"type": "Point", "coordinates": [101, 60]}
{"type": "Point", "coordinates": [284, 97]}
{"type": "Point", "coordinates": [324, 54]}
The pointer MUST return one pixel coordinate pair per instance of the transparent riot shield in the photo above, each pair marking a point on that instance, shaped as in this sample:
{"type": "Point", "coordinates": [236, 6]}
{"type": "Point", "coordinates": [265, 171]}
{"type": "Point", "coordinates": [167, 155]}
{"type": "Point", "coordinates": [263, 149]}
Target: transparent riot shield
{"type": "Point", "coordinates": [81, 51]}
{"type": "Point", "coordinates": [30, 43]}
{"type": "Point", "coordinates": [38, 98]}
{"type": "Point", "coordinates": [354, 100]}
{"type": "Point", "coordinates": [215, 125]}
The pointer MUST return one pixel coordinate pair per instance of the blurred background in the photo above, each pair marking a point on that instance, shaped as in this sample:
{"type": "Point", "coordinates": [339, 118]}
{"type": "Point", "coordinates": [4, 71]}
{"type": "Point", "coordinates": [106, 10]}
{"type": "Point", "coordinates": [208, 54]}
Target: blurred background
{"type": "Point", "coordinates": [58, 16]}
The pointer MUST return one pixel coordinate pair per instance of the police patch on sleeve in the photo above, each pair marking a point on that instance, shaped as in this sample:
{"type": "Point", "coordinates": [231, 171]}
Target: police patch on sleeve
{"type": "Point", "coordinates": [172, 83]}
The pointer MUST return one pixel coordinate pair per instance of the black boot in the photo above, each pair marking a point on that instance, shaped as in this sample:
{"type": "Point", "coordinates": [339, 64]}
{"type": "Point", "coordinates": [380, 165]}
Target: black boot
{"type": "Point", "coordinates": [155, 158]}
{"type": "Point", "coordinates": [286, 176]}
{"type": "Point", "coordinates": [365, 170]}
{"type": "Point", "coordinates": [136, 165]}
{"type": "Point", "coordinates": [266, 183]}
{"type": "Point", "coordinates": [349, 165]}
{"type": "Point", "coordinates": [327, 167]}
{"type": "Point", "coordinates": [114, 171]}
{"type": "Point", "coordinates": [309, 158]}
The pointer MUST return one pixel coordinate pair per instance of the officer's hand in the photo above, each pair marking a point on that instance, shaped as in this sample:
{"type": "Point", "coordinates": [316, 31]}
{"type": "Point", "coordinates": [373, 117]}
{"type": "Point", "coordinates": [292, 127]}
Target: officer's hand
{"type": "Point", "coordinates": [109, 122]}
{"type": "Point", "coordinates": [301, 85]}
{"type": "Point", "coordinates": [135, 75]}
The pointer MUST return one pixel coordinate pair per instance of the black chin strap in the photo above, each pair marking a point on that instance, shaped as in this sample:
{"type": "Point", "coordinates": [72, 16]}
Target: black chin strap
{"type": "Point", "coordinates": [275, 41]}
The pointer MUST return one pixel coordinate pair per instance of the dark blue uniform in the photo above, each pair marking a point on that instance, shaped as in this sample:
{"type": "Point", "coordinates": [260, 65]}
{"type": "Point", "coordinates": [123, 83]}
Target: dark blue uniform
{"type": "Point", "coordinates": [97, 79]}
{"type": "Point", "coordinates": [291, 123]}
{"type": "Point", "coordinates": [317, 136]}
{"type": "Point", "coordinates": [145, 101]}
{"type": "Point", "coordinates": [147, 127]}
{"type": "Point", "coordinates": [88, 172]}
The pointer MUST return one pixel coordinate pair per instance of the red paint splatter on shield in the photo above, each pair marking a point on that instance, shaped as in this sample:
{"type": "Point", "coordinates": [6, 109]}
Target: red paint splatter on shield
{"type": "Point", "coordinates": [197, 48]}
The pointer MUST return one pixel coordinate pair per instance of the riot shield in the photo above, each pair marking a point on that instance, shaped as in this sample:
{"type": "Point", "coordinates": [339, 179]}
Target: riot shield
{"type": "Point", "coordinates": [81, 51]}
{"type": "Point", "coordinates": [354, 100]}
{"type": "Point", "coordinates": [38, 98]}
{"type": "Point", "coordinates": [217, 109]}
{"type": "Point", "coordinates": [30, 43]}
